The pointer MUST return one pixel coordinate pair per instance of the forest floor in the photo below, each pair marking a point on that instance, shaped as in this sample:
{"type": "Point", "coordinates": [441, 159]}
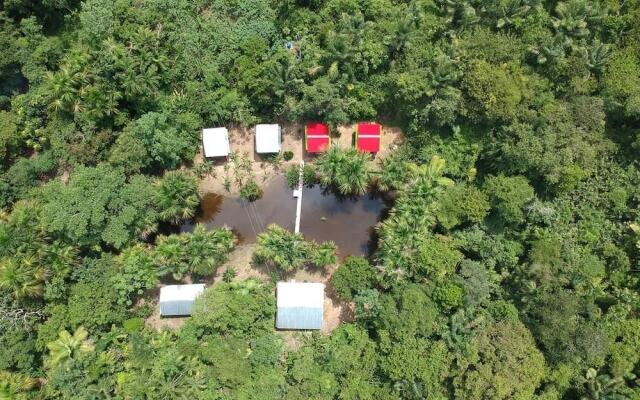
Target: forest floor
{"type": "Point", "coordinates": [242, 141]}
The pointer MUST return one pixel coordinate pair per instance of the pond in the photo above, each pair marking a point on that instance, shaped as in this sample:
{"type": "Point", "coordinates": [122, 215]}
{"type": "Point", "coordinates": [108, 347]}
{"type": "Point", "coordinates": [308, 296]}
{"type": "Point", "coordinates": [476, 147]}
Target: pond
{"type": "Point", "coordinates": [349, 222]}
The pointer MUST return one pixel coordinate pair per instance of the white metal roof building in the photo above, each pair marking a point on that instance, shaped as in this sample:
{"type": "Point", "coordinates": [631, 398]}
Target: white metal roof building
{"type": "Point", "coordinates": [268, 138]}
{"type": "Point", "coordinates": [215, 142]}
{"type": "Point", "coordinates": [176, 300]}
{"type": "Point", "coordinates": [300, 305]}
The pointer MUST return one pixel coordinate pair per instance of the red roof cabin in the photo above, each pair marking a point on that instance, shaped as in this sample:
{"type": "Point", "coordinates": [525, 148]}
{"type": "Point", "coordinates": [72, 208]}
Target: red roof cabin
{"type": "Point", "coordinates": [368, 137]}
{"type": "Point", "coordinates": [317, 138]}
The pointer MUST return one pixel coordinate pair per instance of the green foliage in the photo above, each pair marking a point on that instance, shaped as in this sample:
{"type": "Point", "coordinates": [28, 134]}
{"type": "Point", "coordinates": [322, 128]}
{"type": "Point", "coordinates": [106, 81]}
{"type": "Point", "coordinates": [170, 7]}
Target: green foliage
{"type": "Point", "coordinates": [287, 155]}
{"type": "Point", "coordinates": [99, 204]}
{"type": "Point", "coordinates": [250, 191]}
{"type": "Point", "coordinates": [436, 258]}
{"type": "Point", "coordinates": [23, 176]}
{"type": "Point", "coordinates": [561, 146]}
{"type": "Point", "coordinates": [459, 204]}
{"type": "Point", "coordinates": [242, 308]}
{"type": "Point", "coordinates": [198, 253]}
{"type": "Point", "coordinates": [352, 277]}
{"type": "Point", "coordinates": [494, 92]}
{"type": "Point", "coordinates": [621, 83]}
{"type": "Point", "coordinates": [505, 364]}
{"type": "Point", "coordinates": [309, 177]}
{"type": "Point", "coordinates": [156, 140]}
{"type": "Point", "coordinates": [17, 347]}
{"type": "Point", "coordinates": [176, 196]}
{"type": "Point", "coordinates": [289, 251]}
{"type": "Point", "coordinates": [508, 195]}
{"type": "Point", "coordinates": [135, 273]}
{"type": "Point", "coordinates": [265, 351]}
{"type": "Point", "coordinates": [345, 170]}
{"type": "Point", "coordinates": [229, 274]}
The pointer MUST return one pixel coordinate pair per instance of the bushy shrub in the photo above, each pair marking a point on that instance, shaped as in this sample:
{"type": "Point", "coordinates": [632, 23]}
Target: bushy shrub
{"type": "Point", "coordinates": [352, 277]}
{"type": "Point", "coordinates": [250, 191]}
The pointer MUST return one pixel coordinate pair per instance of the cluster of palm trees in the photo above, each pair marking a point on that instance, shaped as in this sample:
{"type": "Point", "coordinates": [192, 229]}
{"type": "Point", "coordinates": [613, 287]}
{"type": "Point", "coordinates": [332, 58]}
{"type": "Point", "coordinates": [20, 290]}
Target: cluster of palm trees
{"type": "Point", "coordinates": [412, 215]}
{"type": "Point", "coordinates": [24, 275]}
{"type": "Point", "coordinates": [177, 196]}
{"type": "Point", "coordinates": [84, 86]}
{"type": "Point", "coordinates": [289, 251]}
{"type": "Point", "coordinates": [197, 253]}
{"type": "Point", "coordinates": [346, 170]}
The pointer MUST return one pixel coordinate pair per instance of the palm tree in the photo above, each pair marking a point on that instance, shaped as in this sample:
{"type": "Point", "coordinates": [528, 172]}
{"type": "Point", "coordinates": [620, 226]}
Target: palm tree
{"type": "Point", "coordinates": [392, 173]}
{"type": "Point", "coordinates": [324, 254]}
{"type": "Point", "coordinates": [67, 346]}
{"type": "Point", "coordinates": [597, 55]}
{"type": "Point", "coordinates": [603, 387]}
{"type": "Point", "coordinates": [575, 16]}
{"type": "Point", "coordinates": [170, 256]}
{"type": "Point", "coordinates": [208, 249]}
{"type": "Point", "coordinates": [554, 50]}
{"type": "Point", "coordinates": [22, 279]}
{"type": "Point", "coordinates": [507, 11]}
{"type": "Point", "coordinates": [15, 386]}
{"type": "Point", "coordinates": [413, 213]}
{"type": "Point", "coordinates": [60, 259]}
{"type": "Point", "coordinates": [460, 13]}
{"type": "Point", "coordinates": [287, 251]}
{"type": "Point", "coordinates": [347, 170]}
{"type": "Point", "coordinates": [177, 196]}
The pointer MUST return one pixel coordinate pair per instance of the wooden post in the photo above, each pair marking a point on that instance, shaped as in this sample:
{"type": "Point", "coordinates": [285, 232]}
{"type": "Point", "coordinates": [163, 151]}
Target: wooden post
{"type": "Point", "coordinates": [298, 193]}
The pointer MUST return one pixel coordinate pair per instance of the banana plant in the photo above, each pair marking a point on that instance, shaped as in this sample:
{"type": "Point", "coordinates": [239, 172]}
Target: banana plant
{"type": "Point", "coordinates": [574, 17]}
{"type": "Point", "coordinates": [603, 387]}
{"type": "Point", "coordinates": [459, 13]}
{"type": "Point", "coordinates": [597, 55]}
{"type": "Point", "coordinates": [508, 11]}
{"type": "Point", "coordinates": [553, 51]}
{"type": "Point", "coordinates": [67, 346]}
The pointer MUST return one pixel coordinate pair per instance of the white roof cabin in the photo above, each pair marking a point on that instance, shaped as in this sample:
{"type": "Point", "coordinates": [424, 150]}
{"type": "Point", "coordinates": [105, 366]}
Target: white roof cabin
{"type": "Point", "coordinates": [215, 142]}
{"type": "Point", "coordinates": [300, 305]}
{"type": "Point", "coordinates": [268, 138]}
{"type": "Point", "coordinates": [177, 300]}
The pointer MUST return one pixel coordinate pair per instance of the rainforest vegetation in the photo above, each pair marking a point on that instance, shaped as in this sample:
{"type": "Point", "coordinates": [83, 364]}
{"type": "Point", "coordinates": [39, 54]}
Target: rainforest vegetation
{"type": "Point", "coordinates": [508, 266]}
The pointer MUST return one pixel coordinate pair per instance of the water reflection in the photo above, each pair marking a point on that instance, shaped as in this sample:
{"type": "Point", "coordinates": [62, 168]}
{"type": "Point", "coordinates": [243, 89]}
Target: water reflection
{"type": "Point", "coordinates": [348, 221]}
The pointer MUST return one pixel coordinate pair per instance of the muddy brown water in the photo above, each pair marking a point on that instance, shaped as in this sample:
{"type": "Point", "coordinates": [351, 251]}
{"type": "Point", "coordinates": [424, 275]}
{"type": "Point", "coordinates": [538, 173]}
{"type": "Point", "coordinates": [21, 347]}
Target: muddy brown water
{"type": "Point", "coordinates": [349, 222]}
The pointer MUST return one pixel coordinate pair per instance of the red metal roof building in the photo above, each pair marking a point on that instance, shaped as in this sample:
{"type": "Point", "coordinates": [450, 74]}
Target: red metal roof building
{"type": "Point", "coordinates": [317, 137]}
{"type": "Point", "coordinates": [368, 137]}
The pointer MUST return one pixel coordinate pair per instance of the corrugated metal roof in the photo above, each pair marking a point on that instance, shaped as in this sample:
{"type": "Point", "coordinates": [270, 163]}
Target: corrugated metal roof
{"type": "Point", "coordinates": [178, 299]}
{"type": "Point", "coordinates": [300, 305]}
{"type": "Point", "coordinates": [299, 318]}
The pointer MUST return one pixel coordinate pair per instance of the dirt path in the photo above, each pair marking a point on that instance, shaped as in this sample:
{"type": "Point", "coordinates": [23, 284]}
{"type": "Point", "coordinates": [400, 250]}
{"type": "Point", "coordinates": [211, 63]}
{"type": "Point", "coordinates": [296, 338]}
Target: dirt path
{"type": "Point", "coordinates": [262, 170]}
{"type": "Point", "coordinates": [242, 142]}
